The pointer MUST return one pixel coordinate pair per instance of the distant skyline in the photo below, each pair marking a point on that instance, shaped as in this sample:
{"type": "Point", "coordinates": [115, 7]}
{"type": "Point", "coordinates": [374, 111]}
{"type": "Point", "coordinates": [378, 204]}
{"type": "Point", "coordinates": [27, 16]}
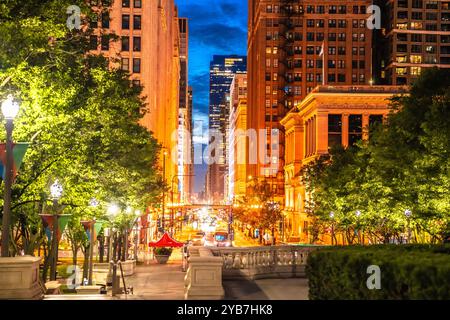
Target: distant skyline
{"type": "Point", "coordinates": [216, 27]}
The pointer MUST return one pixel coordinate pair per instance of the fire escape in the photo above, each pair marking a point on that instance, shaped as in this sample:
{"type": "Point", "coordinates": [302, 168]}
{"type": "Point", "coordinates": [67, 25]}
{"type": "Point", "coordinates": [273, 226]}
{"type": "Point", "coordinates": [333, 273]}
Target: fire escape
{"type": "Point", "coordinates": [288, 68]}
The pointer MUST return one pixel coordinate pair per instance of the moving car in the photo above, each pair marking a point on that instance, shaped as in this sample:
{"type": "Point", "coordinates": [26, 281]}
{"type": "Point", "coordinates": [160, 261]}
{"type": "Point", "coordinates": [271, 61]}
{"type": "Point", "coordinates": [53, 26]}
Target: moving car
{"type": "Point", "coordinates": [198, 239]}
{"type": "Point", "coordinates": [222, 239]}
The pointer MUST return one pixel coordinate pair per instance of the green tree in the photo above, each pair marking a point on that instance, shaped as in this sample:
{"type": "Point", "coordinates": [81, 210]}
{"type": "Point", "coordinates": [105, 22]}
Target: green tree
{"type": "Point", "coordinates": [81, 116]}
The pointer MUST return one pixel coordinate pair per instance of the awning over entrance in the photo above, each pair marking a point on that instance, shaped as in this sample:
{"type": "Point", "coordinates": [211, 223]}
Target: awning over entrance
{"type": "Point", "coordinates": [166, 241]}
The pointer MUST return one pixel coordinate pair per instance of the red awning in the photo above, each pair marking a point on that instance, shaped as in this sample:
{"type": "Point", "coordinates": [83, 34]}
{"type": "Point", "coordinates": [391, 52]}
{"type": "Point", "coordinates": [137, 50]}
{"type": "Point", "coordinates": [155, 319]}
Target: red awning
{"type": "Point", "coordinates": [166, 241]}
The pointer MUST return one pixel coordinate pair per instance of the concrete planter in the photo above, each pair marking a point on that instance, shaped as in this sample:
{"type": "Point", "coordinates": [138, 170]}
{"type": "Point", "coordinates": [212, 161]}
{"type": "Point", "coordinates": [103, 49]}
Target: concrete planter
{"type": "Point", "coordinates": [19, 278]}
{"type": "Point", "coordinates": [128, 267]}
{"type": "Point", "coordinates": [162, 259]}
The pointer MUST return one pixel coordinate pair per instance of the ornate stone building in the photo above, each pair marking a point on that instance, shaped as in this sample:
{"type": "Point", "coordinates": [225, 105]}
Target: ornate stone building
{"type": "Point", "coordinates": [329, 115]}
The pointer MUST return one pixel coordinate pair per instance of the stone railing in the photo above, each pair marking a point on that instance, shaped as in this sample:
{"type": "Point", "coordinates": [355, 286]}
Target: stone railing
{"type": "Point", "coordinates": [203, 280]}
{"type": "Point", "coordinates": [263, 262]}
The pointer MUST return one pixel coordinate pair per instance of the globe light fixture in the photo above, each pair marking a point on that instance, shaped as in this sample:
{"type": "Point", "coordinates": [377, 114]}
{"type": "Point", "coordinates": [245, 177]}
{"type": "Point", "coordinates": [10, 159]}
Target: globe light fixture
{"type": "Point", "coordinates": [113, 209]}
{"type": "Point", "coordinates": [56, 190]}
{"type": "Point", "coordinates": [357, 213]}
{"type": "Point", "coordinates": [10, 108]}
{"type": "Point", "coordinates": [408, 213]}
{"type": "Point", "coordinates": [94, 203]}
{"type": "Point", "coordinates": [331, 215]}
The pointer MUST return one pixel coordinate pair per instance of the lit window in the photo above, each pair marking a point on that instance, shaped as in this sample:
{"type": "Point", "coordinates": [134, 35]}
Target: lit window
{"type": "Point", "coordinates": [415, 71]}
{"type": "Point", "coordinates": [416, 59]}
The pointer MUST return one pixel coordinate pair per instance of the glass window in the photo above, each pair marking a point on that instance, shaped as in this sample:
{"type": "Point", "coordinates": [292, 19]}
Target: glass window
{"type": "Point", "coordinates": [105, 20]}
{"type": "Point", "coordinates": [137, 44]}
{"type": "Point", "coordinates": [93, 43]}
{"type": "Point", "coordinates": [137, 3]}
{"type": "Point", "coordinates": [125, 3]}
{"type": "Point", "coordinates": [136, 65]}
{"type": "Point", "coordinates": [354, 128]}
{"type": "Point", "coordinates": [126, 21]}
{"type": "Point", "coordinates": [105, 42]}
{"type": "Point", "coordinates": [125, 65]}
{"type": "Point", "coordinates": [125, 43]}
{"type": "Point", "coordinates": [334, 130]}
{"type": "Point", "coordinates": [137, 22]}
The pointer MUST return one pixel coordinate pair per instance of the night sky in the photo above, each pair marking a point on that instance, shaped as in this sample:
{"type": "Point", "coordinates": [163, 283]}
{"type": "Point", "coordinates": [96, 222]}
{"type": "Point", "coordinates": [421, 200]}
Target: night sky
{"type": "Point", "coordinates": [216, 27]}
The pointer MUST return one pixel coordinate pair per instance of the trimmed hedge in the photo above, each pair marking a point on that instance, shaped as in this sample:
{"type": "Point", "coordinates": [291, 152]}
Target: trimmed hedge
{"type": "Point", "coordinates": [407, 272]}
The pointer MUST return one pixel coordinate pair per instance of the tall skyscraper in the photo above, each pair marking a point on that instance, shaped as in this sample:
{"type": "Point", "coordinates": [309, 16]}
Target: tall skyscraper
{"type": "Point", "coordinates": [415, 35]}
{"type": "Point", "coordinates": [185, 117]}
{"type": "Point", "coordinates": [238, 144]}
{"type": "Point", "coordinates": [222, 70]}
{"type": "Point", "coordinates": [148, 48]}
{"type": "Point", "coordinates": [293, 46]}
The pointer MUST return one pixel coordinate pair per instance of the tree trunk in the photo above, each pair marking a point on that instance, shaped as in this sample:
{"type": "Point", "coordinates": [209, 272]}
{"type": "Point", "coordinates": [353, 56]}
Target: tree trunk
{"type": "Point", "coordinates": [86, 263]}
{"type": "Point", "coordinates": [101, 248]}
{"type": "Point", "coordinates": [74, 255]}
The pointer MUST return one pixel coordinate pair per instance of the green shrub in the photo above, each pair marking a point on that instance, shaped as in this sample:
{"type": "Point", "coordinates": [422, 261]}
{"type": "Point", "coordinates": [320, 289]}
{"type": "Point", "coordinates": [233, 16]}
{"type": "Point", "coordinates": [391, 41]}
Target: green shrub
{"type": "Point", "coordinates": [407, 272]}
{"type": "Point", "coordinates": [163, 251]}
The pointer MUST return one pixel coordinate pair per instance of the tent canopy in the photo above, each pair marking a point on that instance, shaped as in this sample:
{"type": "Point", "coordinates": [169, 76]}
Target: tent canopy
{"type": "Point", "coordinates": [166, 241]}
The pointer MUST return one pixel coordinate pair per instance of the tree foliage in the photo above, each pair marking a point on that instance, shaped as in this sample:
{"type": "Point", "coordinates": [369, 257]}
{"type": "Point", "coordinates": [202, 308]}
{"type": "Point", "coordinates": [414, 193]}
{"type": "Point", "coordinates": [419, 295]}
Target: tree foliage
{"type": "Point", "coordinates": [80, 114]}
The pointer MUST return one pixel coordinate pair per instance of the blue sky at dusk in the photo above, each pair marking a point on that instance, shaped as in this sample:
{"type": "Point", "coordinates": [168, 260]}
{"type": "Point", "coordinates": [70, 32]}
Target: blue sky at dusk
{"type": "Point", "coordinates": [216, 27]}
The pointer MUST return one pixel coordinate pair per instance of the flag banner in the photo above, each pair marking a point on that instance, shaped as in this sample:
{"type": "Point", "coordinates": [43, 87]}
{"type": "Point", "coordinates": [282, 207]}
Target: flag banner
{"type": "Point", "coordinates": [19, 151]}
{"type": "Point", "coordinates": [87, 227]}
{"type": "Point", "coordinates": [48, 221]}
{"type": "Point", "coordinates": [97, 227]}
{"type": "Point", "coordinates": [63, 220]}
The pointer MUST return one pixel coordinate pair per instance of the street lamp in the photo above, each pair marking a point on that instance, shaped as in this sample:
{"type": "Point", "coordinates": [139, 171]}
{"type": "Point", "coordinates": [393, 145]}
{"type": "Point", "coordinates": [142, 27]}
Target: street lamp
{"type": "Point", "coordinates": [10, 108]}
{"type": "Point", "coordinates": [56, 191]}
{"type": "Point", "coordinates": [92, 203]}
{"type": "Point", "coordinates": [357, 214]}
{"type": "Point", "coordinates": [408, 214]}
{"type": "Point", "coordinates": [162, 221]}
{"type": "Point", "coordinates": [332, 227]}
{"type": "Point", "coordinates": [113, 210]}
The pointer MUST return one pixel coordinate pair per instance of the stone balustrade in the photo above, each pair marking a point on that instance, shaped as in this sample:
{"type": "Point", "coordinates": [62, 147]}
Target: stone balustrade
{"type": "Point", "coordinates": [203, 280]}
{"type": "Point", "coordinates": [263, 262]}
{"type": "Point", "coordinates": [207, 266]}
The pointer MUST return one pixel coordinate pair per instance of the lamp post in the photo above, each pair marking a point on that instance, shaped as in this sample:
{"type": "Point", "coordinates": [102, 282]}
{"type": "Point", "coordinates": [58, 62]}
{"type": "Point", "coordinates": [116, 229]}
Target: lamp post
{"type": "Point", "coordinates": [56, 191]}
{"type": "Point", "coordinates": [332, 227]}
{"type": "Point", "coordinates": [408, 214]}
{"type": "Point", "coordinates": [357, 214]}
{"type": "Point", "coordinates": [113, 210]}
{"type": "Point", "coordinates": [164, 191]}
{"type": "Point", "coordinates": [93, 203]}
{"type": "Point", "coordinates": [10, 108]}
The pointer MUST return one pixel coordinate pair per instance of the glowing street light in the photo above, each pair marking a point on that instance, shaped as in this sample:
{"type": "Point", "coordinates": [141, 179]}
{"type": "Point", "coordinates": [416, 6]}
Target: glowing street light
{"type": "Point", "coordinates": [332, 227]}
{"type": "Point", "coordinates": [10, 109]}
{"type": "Point", "coordinates": [113, 209]}
{"type": "Point", "coordinates": [408, 214]}
{"type": "Point", "coordinates": [94, 203]}
{"type": "Point", "coordinates": [56, 190]}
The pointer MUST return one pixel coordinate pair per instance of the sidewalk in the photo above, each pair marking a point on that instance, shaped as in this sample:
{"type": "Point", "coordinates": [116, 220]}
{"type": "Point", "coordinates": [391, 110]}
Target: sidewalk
{"type": "Point", "coordinates": [155, 281]}
{"type": "Point", "coordinates": [242, 240]}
